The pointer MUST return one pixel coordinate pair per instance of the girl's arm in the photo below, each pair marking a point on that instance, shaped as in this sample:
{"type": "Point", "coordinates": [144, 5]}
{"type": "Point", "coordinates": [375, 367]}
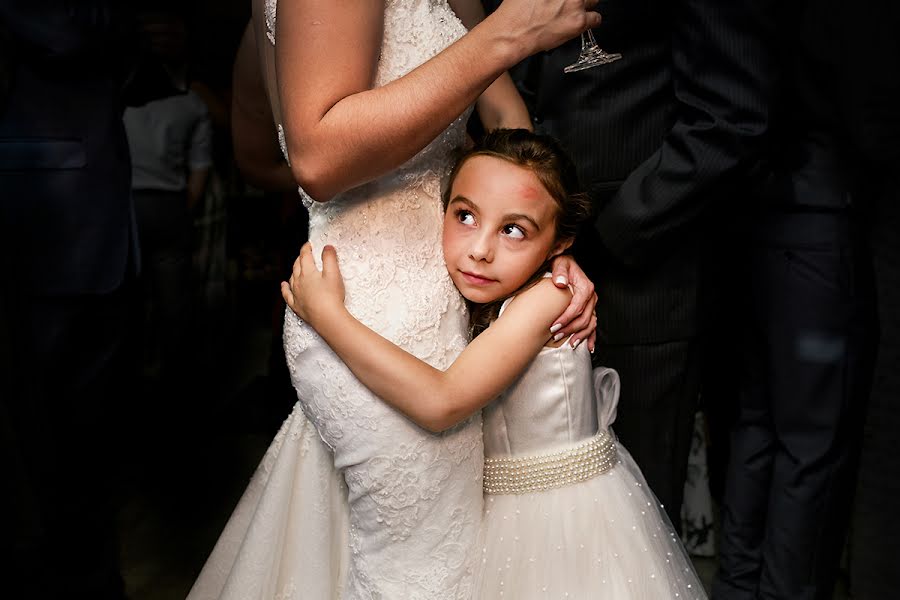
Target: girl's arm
{"type": "Point", "coordinates": [342, 132]}
{"type": "Point", "coordinates": [500, 105]}
{"type": "Point", "coordinates": [432, 398]}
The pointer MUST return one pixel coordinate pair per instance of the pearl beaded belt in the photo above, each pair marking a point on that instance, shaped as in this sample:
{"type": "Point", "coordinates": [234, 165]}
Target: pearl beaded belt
{"type": "Point", "coordinates": [524, 474]}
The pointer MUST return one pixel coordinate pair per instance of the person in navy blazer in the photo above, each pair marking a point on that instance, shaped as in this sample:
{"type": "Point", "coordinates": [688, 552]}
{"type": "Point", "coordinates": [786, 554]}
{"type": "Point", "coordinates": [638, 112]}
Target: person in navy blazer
{"type": "Point", "coordinates": [808, 316]}
{"type": "Point", "coordinates": [68, 251]}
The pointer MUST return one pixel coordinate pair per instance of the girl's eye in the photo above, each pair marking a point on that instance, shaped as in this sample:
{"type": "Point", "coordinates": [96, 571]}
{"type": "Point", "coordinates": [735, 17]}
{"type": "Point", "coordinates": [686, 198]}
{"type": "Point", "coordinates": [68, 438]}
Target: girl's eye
{"type": "Point", "coordinates": [514, 231]}
{"type": "Point", "coordinates": [465, 217]}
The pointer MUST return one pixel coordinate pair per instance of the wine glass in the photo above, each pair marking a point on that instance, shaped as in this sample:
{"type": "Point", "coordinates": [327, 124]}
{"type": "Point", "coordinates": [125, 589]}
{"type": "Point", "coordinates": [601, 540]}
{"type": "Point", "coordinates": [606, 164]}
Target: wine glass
{"type": "Point", "coordinates": [591, 55]}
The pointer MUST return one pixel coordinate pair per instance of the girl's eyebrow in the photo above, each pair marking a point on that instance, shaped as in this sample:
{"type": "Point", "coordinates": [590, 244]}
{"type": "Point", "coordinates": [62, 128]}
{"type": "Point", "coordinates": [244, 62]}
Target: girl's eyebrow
{"type": "Point", "coordinates": [462, 200]}
{"type": "Point", "coordinates": [507, 217]}
{"type": "Point", "coordinates": [520, 216]}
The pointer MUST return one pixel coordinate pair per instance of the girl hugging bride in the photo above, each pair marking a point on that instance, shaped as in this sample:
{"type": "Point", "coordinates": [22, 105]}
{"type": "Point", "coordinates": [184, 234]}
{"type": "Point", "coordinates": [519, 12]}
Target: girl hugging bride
{"type": "Point", "coordinates": [373, 487]}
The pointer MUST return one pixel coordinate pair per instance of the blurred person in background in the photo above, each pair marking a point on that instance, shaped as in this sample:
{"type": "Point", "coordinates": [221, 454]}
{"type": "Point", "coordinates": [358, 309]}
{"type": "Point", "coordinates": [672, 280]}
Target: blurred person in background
{"type": "Point", "coordinates": [807, 307]}
{"type": "Point", "coordinates": [69, 247]}
{"type": "Point", "coordinates": [170, 140]}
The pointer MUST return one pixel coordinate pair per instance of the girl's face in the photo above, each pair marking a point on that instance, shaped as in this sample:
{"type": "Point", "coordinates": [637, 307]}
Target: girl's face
{"type": "Point", "coordinates": [499, 228]}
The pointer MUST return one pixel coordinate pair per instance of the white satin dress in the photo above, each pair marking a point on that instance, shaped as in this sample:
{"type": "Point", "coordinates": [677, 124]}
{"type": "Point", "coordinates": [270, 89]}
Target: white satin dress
{"type": "Point", "coordinates": [568, 513]}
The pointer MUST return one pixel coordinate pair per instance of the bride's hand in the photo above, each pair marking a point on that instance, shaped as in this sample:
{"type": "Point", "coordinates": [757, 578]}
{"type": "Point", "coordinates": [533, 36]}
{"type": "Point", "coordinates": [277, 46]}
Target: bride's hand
{"type": "Point", "coordinates": [579, 319]}
{"type": "Point", "coordinates": [312, 293]}
{"type": "Point", "coordinates": [545, 24]}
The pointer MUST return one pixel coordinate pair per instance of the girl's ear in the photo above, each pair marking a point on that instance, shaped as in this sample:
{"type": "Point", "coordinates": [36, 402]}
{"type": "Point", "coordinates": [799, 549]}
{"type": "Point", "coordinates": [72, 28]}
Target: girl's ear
{"type": "Point", "coordinates": [560, 247]}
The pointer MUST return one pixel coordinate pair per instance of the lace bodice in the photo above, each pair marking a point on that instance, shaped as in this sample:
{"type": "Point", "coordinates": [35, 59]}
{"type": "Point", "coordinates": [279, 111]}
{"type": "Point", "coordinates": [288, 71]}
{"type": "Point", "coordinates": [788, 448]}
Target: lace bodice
{"type": "Point", "coordinates": [387, 231]}
{"type": "Point", "coordinates": [415, 498]}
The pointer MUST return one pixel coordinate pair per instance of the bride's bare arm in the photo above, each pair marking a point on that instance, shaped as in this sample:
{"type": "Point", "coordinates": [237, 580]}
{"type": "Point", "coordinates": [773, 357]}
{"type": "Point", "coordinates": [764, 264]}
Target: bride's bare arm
{"type": "Point", "coordinates": [341, 132]}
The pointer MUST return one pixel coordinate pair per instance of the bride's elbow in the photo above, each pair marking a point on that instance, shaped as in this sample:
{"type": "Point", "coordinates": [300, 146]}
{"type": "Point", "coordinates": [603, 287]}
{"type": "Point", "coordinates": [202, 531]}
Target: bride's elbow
{"type": "Point", "coordinates": [312, 179]}
{"type": "Point", "coordinates": [312, 176]}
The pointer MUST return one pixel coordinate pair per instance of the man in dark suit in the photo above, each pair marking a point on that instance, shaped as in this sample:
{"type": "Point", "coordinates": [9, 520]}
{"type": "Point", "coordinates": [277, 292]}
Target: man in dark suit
{"type": "Point", "coordinates": [659, 136]}
{"type": "Point", "coordinates": [68, 248]}
{"type": "Point", "coordinates": [808, 318]}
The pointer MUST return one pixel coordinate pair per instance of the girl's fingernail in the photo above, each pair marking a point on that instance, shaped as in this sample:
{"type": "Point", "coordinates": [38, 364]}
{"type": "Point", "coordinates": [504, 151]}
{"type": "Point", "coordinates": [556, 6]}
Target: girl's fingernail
{"type": "Point", "coordinates": [557, 337]}
{"type": "Point", "coordinates": [561, 280]}
{"type": "Point", "coordinates": [556, 328]}
{"type": "Point", "coordinates": [575, 345]}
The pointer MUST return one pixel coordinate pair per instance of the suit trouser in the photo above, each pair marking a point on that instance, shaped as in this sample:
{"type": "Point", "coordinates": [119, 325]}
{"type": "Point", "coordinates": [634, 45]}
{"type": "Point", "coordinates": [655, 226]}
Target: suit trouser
{"type": "Point", "coordinates": [809, 333]}
{"type": "Point", "coordinates": [58, 415]}
{"type": "Point", "coordinates": [655, 420]}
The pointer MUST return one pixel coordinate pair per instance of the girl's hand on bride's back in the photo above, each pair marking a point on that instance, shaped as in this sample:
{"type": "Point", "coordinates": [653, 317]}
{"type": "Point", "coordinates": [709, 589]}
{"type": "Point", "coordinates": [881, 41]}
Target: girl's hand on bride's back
{"type": "Point", "coordinates": [545, 24]}
{"type": "Point", "coordinates": [311, 293]}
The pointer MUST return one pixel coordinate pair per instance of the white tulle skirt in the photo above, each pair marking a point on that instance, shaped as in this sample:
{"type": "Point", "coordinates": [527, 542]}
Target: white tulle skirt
{"type": "Point", "coordinates": [287, 537]}
{"type": "Point", "coordinates": [606, 537]}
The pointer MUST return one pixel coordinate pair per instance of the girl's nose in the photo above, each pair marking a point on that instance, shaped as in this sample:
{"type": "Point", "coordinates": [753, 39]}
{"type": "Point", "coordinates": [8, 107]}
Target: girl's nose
{"type": "Point", "coordinates": [482, 248]}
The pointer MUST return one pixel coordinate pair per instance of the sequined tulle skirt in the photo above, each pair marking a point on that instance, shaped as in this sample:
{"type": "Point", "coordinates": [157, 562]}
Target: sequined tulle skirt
{"type": "Point", "coordinates": [603, 537]}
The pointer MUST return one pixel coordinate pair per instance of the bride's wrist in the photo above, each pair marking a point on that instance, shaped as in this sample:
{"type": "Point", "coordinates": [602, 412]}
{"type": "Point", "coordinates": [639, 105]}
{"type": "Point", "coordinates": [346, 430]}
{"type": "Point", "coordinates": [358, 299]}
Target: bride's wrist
{"type": "Point", "coordinates": [504, 39]}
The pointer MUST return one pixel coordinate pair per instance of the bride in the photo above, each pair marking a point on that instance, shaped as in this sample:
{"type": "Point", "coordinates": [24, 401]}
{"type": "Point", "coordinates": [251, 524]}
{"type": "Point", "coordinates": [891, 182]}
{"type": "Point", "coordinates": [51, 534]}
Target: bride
{"type": "Point", "coordinates": [352, 499]}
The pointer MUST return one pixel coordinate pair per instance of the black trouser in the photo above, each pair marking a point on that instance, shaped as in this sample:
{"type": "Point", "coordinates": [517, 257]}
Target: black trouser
{"type": "Point", "coordinates": [655, 419]}
{"type": "Point", "coordinates": [165, 231]}
{"type": "Point", "coordinates": [59, 416]}
{"type": "Point", "coordinates": [809, 333]}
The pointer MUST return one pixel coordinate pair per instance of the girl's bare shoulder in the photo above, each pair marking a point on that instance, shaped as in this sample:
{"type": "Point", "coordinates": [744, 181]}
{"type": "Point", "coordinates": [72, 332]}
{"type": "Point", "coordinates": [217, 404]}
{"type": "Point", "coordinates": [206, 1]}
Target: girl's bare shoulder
{"type": "Point", "coordinates": [543, 301]}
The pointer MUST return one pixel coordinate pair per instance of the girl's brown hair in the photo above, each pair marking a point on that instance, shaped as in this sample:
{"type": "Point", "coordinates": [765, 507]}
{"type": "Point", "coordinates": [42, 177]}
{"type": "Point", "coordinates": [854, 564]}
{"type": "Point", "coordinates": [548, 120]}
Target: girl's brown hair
{"type": "Point", "coordinates": [543, 156]}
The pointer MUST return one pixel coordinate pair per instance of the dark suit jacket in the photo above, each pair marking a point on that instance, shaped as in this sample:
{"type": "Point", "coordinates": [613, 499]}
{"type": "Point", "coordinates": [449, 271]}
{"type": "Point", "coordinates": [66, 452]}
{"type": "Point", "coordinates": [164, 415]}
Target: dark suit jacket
{"type": "Point", "coordinates": [660, 138]}
{"type": "Point", "coordinates": [836, 121]}
{"type": "Point", "coordinates": [65, 208]}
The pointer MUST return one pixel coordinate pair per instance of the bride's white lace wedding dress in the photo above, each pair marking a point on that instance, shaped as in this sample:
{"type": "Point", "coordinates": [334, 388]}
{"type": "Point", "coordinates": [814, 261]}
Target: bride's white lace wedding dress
{"type": "Point", "coordinates": [397, 513]}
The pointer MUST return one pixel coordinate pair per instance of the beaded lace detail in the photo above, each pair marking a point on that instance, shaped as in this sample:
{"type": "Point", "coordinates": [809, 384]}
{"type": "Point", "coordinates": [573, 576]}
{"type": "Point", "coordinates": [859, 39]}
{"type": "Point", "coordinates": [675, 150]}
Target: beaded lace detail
{"type": "Point", "coordinates": [270, 9]}
{"type": "Point", "coordinates": [415, 498]}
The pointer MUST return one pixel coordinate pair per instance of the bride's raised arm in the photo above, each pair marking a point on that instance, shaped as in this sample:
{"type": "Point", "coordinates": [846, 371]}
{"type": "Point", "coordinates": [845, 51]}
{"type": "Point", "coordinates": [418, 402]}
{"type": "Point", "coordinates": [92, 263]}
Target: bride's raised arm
{"type": "Point", "coordinates": [341, 131]}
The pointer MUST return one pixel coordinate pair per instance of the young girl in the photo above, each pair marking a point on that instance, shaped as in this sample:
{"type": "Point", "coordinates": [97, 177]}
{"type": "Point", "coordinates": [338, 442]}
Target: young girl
{"type": "Point", "coordinates": [567, 512]}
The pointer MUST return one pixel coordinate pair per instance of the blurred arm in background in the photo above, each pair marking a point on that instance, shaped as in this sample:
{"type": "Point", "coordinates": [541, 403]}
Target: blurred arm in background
{"type": "Point", "coordinates": [253, 129]}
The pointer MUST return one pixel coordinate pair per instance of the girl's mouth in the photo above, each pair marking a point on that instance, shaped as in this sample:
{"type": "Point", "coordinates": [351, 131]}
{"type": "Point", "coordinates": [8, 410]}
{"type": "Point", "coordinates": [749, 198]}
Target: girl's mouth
{"type": "Point", "coordinates": [475, 279]}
